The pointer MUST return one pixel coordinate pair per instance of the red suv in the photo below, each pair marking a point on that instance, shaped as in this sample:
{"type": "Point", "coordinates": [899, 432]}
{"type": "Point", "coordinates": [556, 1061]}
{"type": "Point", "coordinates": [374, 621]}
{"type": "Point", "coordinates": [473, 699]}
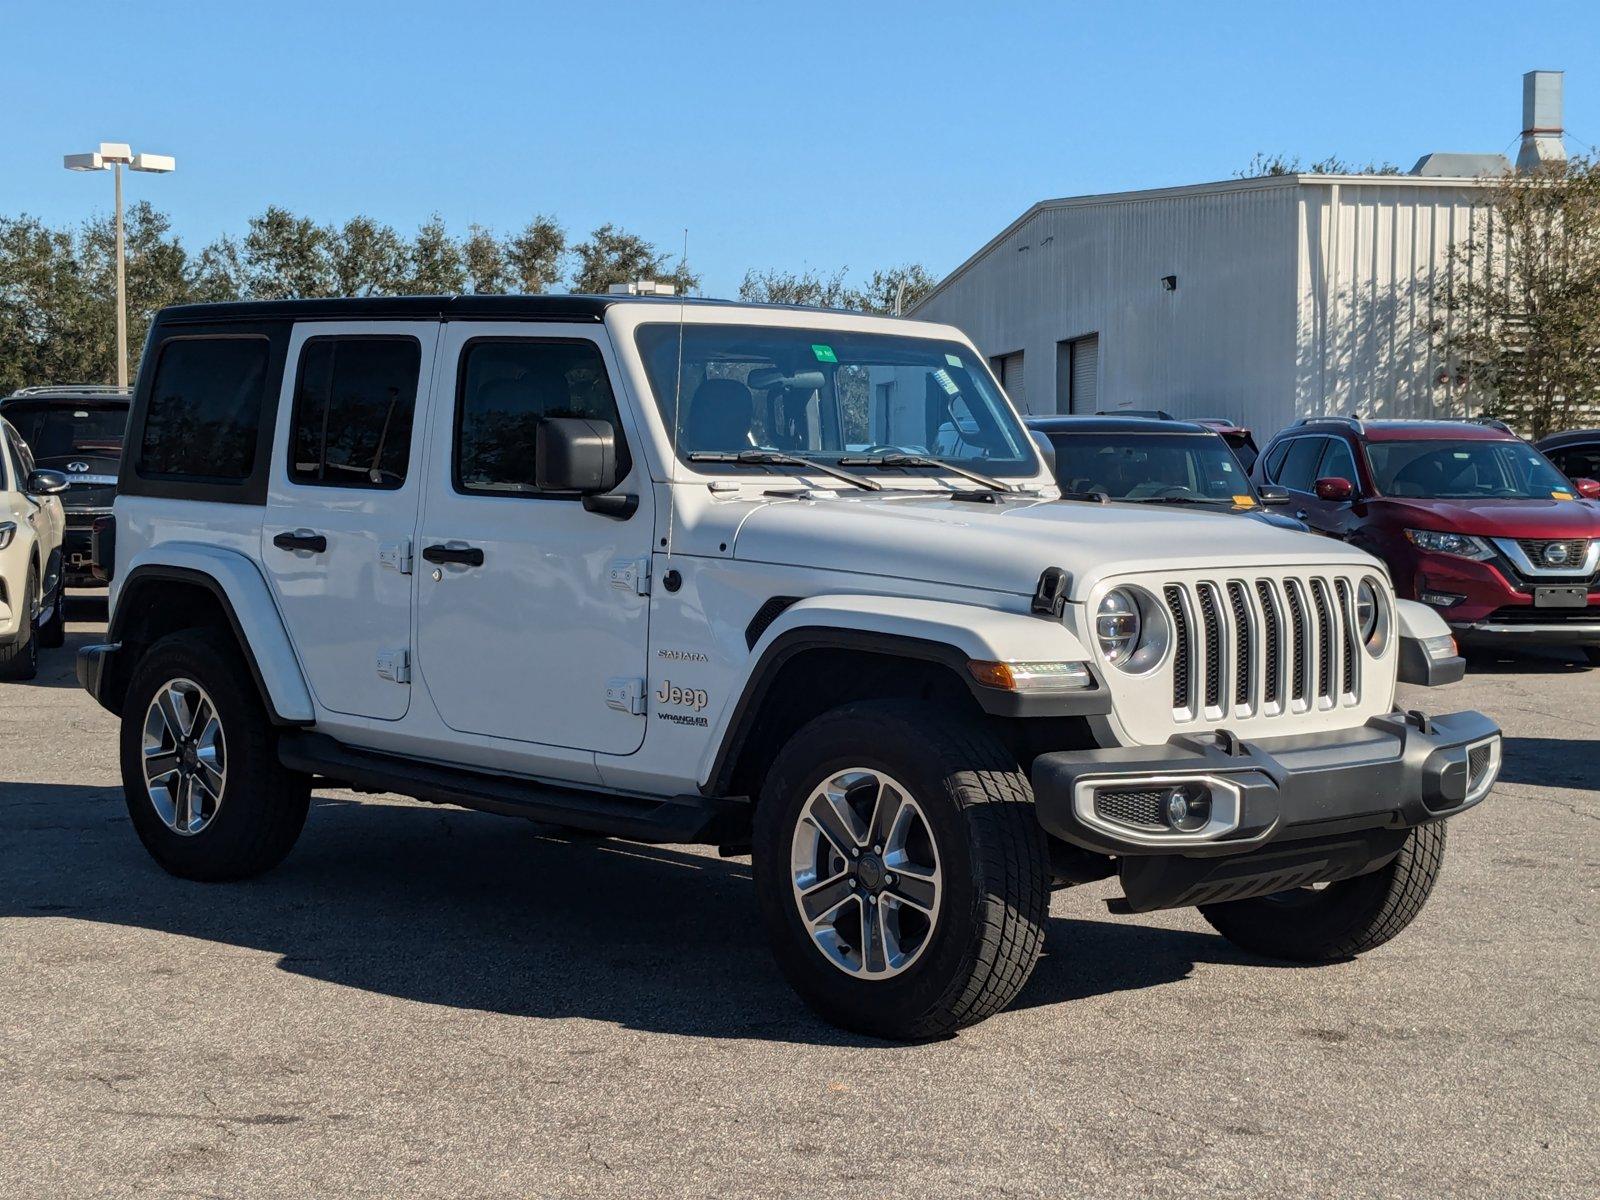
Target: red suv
{"type": "Point", "coordinates": [1471, 520]}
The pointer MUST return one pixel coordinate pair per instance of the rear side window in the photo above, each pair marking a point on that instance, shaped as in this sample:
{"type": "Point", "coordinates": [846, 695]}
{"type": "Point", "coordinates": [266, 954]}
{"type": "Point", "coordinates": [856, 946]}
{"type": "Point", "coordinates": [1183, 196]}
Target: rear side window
{"type": "Point", "coordinates": [1577, 462]}
{"type": "Point", "coordinates": [506, 388]}
{"type": "Point", "coordinates": [353, 405]}
{"type": "Point", "coordinates": [1299, 470]}
{"type": "Point", "coordinates": [205, 409]}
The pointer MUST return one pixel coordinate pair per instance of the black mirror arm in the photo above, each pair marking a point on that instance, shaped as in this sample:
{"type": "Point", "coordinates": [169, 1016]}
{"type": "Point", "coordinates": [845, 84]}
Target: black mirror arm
{"type": "Point", "coordinates": [619, 506]}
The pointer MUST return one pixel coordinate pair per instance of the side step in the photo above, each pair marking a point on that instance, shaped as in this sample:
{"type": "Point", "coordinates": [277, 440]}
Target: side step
{"type": "Point", "coordinates": [678, 819]}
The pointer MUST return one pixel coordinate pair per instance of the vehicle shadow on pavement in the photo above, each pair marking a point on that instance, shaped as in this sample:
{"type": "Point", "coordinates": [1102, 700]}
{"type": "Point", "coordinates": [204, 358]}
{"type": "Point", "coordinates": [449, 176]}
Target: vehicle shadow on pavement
{"type": "Point", "coordinates": [443, 906]}
{"type": "Point", "coordinates": [1551, 762]}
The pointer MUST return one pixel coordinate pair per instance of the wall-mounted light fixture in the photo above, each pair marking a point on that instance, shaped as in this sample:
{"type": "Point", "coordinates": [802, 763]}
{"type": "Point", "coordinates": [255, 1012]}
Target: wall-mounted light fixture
{"type": "Point", "coordinates": [1169, 283]}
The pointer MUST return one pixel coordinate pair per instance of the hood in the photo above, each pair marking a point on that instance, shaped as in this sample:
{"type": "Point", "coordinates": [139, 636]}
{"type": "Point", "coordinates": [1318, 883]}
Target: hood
{"type": "Point", "coordinates": [1004, 546]}
{"type": "Point", "coordinates": [1497, 518]}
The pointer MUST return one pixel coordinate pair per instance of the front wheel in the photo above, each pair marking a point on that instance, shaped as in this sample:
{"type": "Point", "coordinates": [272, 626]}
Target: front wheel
{"type": "Point", "coordinates": [1342, 919]}
{"type": "Point", "coordinates": [19, 659]}
{"type": "Point", "coordinates": [902, 874]}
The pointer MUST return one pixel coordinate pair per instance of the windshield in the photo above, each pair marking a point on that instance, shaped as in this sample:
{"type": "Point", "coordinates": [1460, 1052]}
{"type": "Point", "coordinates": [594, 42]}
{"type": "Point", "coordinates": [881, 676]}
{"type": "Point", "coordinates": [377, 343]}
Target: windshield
{"type": "Point", "coordinates": [56, 432]}
{"type": "Point", "coordinates": [826, 394]}
{"type": "Point", "coordinates": [1465, 471]}
{"type": "Point", "coordinates": [1150, 466]}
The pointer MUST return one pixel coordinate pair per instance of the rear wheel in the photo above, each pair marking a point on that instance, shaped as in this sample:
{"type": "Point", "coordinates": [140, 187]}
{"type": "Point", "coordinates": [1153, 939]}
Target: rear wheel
{"type": "Point", "coordinates": [205, 790]}
{"type": "Point", "coordinates": [20, 659]}
{"type": "Point", "coordinates": [902, 874]}
{"type": "Point", "coordinates": [1342, 919]}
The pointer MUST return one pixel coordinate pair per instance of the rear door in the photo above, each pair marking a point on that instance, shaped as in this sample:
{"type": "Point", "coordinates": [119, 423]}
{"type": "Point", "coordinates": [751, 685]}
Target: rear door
{"type": "Point", "coordinates": [342, 505]}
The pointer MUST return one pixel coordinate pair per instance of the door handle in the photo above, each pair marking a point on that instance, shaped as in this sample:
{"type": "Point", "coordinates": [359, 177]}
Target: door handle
{"type": "Point", "coordinates": [466, 556]}
{"type": "Point", "coordinates": [1302, 515]}
{"type": "Point", "coordinates": [301, 539]}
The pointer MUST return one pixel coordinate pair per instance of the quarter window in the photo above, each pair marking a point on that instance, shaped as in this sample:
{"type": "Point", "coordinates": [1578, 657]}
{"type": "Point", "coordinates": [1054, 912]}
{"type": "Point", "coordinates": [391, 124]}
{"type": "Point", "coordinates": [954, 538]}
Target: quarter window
{"type": "Point", "coordinates": [353, 406]}
{"type": "Point", "coordinates": [205, 409]}
{"type": "Point", "coordinates": [506, 389]}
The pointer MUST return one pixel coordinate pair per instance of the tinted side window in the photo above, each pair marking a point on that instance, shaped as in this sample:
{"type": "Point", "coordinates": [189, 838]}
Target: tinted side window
{"type": "Point", "coordinates": [1338, 462]}
{"type": "Point", "coordinates": [506, 388]}
{"type": "Point", "coordinates": [353, 404]}
{"type": "Point", "coordinates": [1300, 466]}
{"type": "Point", "coordinates": [205, 408]}
{"type": "Point", "coordinates": [1275, 458]}
{"type": "Point", "coordinates": [1577, 462]}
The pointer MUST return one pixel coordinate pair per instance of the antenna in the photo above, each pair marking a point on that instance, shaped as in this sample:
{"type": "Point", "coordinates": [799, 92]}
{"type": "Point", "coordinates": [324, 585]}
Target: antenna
{"type": "Point", "coordinates": [677, 401]}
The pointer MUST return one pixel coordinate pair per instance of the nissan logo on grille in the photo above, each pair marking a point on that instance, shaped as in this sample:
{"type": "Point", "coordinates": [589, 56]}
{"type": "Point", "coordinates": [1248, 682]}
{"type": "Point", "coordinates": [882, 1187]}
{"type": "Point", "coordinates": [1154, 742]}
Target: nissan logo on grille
{"type": "Point", "coordinates": [1556, 554]}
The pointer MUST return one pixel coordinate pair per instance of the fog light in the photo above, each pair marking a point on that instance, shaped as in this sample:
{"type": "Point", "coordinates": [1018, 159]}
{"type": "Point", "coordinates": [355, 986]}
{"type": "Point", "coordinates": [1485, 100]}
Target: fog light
{"type": "Point", "coordinates": [1443, 646]}
{"type": "Point", "coordinates": [1188, 808]}
{"type": "Point", "coordinates": [1440, 599]}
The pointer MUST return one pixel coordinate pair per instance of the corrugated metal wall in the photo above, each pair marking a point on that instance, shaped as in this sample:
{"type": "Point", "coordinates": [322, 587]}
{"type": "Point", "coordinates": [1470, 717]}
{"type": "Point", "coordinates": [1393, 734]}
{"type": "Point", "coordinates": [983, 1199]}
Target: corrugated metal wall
{"type": "Point", "coordinates": [1295, 296]}
{"type": "Point", "coordinates": [1374, 261]}
{"type": "Point", "coordinates": [1222, 342]}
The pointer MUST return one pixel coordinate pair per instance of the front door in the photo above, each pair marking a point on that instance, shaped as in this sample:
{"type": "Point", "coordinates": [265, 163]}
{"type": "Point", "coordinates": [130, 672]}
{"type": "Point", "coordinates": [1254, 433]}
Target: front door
{"type": "Point", "coordinates": [533, 622]}
{"type": "Point", "coordinates": [342, 507]}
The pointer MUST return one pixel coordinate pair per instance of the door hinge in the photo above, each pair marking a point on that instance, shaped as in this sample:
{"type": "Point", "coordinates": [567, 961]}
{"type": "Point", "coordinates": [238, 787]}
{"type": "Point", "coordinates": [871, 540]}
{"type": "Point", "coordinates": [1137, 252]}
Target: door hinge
{"type": "Point", "coordinates": [396, 555]}
{"type": "Point", "coordinates": [631, 575]}
{"type": "Point", "coordinates": [394, 665]}
{"type": "Point", "coordinates": [626, 695]}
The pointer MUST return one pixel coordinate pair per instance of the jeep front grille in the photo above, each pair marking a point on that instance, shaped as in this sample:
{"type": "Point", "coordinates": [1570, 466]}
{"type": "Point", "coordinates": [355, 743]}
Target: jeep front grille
{"type": "Point", "coordinates": [1263, 646]}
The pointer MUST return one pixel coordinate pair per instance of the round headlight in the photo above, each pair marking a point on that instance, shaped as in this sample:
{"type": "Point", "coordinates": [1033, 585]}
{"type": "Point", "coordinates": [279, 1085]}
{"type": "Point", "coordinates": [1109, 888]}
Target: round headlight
{"type": "Point", "coordinates": [1117, 626]}
{"type": "Point", "coordinates": [1367, 610]}
{"type": "Point", "coordinates": [1131, 628]}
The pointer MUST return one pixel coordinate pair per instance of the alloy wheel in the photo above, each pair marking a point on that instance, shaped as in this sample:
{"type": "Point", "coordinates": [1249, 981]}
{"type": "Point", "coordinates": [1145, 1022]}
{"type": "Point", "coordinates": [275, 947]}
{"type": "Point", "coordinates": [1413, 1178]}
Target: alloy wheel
{"type": "Point", "coordinates": [865, 873]}
{"type": "Point", "coordinates": [185, 756]}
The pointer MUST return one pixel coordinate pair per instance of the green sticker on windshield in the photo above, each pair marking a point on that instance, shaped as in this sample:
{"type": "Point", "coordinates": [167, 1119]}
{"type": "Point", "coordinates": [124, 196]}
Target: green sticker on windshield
{"type": "Point", "coordinates": [824, 353]}
{"type": "Point", "coordinates": [952, 360]}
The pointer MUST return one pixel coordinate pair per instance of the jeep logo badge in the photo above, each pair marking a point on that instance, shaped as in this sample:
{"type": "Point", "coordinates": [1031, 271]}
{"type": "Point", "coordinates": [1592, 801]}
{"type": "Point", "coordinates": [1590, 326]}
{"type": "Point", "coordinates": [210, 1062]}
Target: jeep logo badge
{"type": "Point", "coordinates": [1556, 554]}
{"type": "Point", "coordinates": [78, 468]}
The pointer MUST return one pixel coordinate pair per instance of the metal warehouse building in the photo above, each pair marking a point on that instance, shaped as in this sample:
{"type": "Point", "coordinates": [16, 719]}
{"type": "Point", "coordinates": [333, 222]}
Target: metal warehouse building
{"type": "Point", "coordinates": [1261, 299]}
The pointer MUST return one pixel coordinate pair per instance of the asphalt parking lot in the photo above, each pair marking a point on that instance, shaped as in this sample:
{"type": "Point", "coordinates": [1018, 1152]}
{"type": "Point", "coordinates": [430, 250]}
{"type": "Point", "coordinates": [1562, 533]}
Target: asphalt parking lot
{"type": "Point", "coordinates": [430, 1002]}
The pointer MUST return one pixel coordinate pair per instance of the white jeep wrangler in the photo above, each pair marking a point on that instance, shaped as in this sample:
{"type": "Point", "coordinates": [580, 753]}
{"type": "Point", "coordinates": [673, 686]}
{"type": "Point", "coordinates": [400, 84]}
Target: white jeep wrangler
{"type": "Point", "coordinates": [698, 572]}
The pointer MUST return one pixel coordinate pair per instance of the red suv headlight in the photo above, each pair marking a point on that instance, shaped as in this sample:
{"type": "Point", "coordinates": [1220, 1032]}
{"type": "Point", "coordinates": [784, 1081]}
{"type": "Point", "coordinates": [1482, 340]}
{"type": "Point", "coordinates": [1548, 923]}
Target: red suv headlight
{"type": "Point", "coordinates": [1462, 545]}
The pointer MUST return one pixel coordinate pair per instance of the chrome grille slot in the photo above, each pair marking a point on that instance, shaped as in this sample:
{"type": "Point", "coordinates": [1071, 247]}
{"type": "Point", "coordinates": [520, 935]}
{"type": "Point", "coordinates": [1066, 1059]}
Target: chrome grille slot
{"type": "Point", "coordinates": [1263, 646]}
{"type": "Point", "coordinates": [1241, 645]}
{"type": "Point", "coordinates": [1211, 635]}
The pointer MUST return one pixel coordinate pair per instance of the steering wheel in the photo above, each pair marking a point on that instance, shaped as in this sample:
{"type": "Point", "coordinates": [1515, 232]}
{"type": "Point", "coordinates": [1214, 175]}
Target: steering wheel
{"type": "Point", "coordinates": [1173, 489]}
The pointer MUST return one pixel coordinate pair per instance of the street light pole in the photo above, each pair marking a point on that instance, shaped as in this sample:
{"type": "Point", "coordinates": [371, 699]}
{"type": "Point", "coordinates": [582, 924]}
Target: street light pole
{"type": "Point", "coordinates": [113, 156]}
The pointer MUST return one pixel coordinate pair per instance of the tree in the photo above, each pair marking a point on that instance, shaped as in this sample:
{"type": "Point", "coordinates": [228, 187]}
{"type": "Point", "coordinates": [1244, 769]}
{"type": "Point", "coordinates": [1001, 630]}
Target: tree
{"type": "Point", "coordinates": [537, 256]}
{"type": "Point", "coordinates": [1263, 165]}
{"type": "Point", "coordinates": [437, 265]}
{"type": "Point", "coordinates": [368, 259]}
{"type": "Point", "coordinates": [42, 304]}
{"type": "Point", "coordinates": [806, 287]}
{"type": "Point", "coordinates": [286, 257]}
{"type": "Point", "coordinates": [1523, 301]}
{"type": "Point", "coordinates": [896, 289]}
{"type": "Point", "coordinates": [613, 255]}
{"type": "Point", "coordinates": [483, 257]}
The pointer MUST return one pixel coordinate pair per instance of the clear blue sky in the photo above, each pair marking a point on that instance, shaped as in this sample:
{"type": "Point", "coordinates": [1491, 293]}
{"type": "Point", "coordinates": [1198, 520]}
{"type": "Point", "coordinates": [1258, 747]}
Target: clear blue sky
{"type": "Point", "coordinates": [785, 135]}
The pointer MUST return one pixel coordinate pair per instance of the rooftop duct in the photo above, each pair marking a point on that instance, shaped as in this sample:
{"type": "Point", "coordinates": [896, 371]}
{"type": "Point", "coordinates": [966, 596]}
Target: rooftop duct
{"type": "Point", "coordinates": [1541, 121]}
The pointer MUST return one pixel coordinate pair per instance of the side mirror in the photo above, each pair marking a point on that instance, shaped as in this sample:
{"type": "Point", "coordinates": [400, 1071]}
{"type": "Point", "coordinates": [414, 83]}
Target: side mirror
{"type": "Point", "coordinates": [1335, 489]}
{"type": "Point", "coordinates": [1271, 493]}
{"type": "Point", "coordinates": [47, 483]}
{"type": "Point", "coordinates": [576, 454]}
{"type": "Point", "coordinates": [1589, 489]}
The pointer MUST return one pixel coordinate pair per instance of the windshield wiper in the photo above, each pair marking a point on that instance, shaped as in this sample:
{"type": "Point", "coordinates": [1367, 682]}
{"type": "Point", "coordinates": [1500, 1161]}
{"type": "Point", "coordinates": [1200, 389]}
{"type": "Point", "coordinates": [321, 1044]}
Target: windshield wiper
{"type": "Point", "coordinates": [777, 458]}
{"type": "Point", "coordinates": [926, 460]}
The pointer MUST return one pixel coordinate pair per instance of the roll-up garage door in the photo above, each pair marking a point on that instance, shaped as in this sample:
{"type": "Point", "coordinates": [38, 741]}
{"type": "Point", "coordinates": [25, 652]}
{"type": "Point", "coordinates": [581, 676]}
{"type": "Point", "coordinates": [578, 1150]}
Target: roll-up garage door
{"type": "Point", "coordinates": [1009, 368]}
{"type": "Point", "coordinates": [1085, 393]}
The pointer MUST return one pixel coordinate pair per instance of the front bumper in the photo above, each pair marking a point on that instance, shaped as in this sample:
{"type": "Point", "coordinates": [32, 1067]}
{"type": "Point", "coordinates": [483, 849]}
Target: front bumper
{"type": "Point", "coordinates": [1343, 800]}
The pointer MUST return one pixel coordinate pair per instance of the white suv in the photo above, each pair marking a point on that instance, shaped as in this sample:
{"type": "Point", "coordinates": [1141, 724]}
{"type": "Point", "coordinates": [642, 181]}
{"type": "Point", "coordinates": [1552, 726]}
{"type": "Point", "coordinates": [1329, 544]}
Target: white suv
{"type": "Point", "coordinates": [696, 572]}
{"type": "Point", "coordinates": [31, 577]}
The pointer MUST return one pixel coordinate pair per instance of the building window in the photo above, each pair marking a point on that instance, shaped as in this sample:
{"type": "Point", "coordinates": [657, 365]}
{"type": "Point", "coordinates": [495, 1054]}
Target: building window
{"type": "Point", "coordinates": [205, 409]}
{"type": "Point", "coordinates": [353, 406]}
{"type": "Point", "coordinates": [1008, 368]}
{"type": "Point", "coordinates": [506, 389]}
{"type": "Point", "coordinates": [1078, 374]}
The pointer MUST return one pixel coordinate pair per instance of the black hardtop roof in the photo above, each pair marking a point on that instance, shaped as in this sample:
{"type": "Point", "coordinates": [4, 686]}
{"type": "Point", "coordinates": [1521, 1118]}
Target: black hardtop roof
{"type": "Point", "coordinates": [559, 307]}
{"type": "Point", "coordinates": [1569, 437]}
{"type": "Point", "coordinates": [1099, 424]}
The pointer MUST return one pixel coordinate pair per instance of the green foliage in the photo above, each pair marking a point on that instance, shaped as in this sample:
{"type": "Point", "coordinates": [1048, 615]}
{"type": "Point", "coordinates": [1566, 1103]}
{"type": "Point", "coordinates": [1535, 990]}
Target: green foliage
{"type": "Point", "coordinates": [1282, 164]}
{"type": "Point", "coordinates": [613, 255]}
{"type": "Point", "coordinates": [1522, 300]}
{"type": "Point", "coordinates": [889, 291]}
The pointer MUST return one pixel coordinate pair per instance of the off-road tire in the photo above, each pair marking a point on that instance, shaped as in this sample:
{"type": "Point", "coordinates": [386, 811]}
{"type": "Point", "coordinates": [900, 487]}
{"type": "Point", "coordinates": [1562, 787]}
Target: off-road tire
{"type": "Point", "coordinates": [263, 804]}
{"type": "Point", "coordinates": [19, 660]}
{"type": "Point", "coordinates": [1344, 919]}
{"type": "Point", "coordinates": [995, 865]}
{"type": "Point", "coordinates": [53, 633]}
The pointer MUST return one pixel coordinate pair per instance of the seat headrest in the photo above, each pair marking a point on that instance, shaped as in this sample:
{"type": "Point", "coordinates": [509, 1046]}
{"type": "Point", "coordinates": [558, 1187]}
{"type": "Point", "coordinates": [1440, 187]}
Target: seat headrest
{"type": "Point", "coordinates": [719, 417]}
